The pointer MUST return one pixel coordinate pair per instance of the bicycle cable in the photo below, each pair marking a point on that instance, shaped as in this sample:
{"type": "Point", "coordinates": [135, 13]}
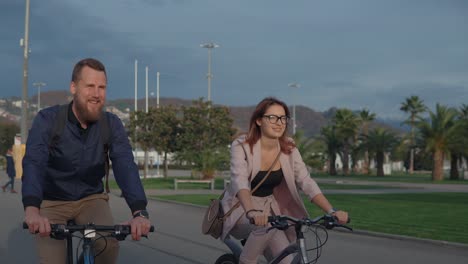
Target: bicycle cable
{"type": "Point", "coordinates": [81, 239]}
{"type": "Point", "coordinates": [104, 237]}
{"type": "Point", "coordinates": [318, 242]}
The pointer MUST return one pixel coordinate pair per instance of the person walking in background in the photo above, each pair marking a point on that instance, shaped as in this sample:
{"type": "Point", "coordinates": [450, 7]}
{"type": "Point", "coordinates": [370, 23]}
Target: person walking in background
{"type": "Point", "coordinates": [10, 169]}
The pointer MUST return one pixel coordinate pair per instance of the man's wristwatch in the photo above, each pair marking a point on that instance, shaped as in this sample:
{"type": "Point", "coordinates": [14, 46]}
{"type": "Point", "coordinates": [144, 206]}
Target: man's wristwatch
{"type": "Point", "coordinates": [141, 213]}
{"type": "Point", "coordinates": [331, 211]}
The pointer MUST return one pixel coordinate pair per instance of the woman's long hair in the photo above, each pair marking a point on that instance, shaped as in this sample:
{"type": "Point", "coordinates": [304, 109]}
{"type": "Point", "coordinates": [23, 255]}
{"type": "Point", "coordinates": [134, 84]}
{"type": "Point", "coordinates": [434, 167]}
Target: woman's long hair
{"type": "Point", "coordinates": [254, 133]}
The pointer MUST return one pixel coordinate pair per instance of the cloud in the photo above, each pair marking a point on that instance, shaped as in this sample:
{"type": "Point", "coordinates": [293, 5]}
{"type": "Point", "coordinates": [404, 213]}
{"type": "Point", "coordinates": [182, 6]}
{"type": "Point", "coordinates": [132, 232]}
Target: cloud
{"type": "Point", "coordinates": [343, 53]}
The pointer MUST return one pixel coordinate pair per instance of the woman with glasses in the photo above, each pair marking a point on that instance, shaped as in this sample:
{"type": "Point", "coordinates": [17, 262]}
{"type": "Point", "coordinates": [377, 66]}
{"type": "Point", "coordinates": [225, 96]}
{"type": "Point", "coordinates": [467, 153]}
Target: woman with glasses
{"type": "Point", "coordinates": [252, 155]}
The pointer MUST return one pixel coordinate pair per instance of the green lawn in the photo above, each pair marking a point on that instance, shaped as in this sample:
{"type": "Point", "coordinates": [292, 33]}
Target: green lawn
{"type": "Point", "coordinates": [440, 216]}
{"type": "Point", "coordinates": [334, 186]}
{"type": "Point", "coordinates": [159, 184]}
{"type": "Point", "coordinates": [396, 177]}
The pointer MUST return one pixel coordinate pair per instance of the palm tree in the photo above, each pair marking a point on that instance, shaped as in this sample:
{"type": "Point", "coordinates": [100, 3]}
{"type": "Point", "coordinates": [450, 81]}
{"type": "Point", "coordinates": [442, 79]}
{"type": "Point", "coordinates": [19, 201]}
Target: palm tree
{"type": "Point", "coordinates": [437, 134]}
{"type": "Point", "coordinates": [380, 141]}
{"type": "Point", "coordinates": [347, 124]}
{"type": "Point", "coordinates": [464, 117]}
{"type": "Point", "coordinates": [458, 142]}
{"type": "Point", "coordinates": [310, 150]}
{"type": "Point", "coordinates": [414, 106]}
{"type": "Point", "coordinates": [366, 117]}
{"type": "Point", "coordinates": [464, 112]}
{"type": "Point", "coordinates": [333, 144]}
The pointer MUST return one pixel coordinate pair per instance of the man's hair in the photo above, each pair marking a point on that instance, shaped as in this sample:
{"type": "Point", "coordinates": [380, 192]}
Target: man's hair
{"type": "Point", "coordinates": [90, 62]}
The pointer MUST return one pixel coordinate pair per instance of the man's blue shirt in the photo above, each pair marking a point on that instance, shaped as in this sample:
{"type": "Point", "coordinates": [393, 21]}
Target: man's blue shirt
{"type": "Point", "coordinates": [73, 168]}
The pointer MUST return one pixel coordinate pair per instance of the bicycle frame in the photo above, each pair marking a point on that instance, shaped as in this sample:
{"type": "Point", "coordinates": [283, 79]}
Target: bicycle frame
{"type": "Point", "coordinates": [86, 256]}
{"type": "Point", "coordinates": [294, 247]}
{"type": "Point", "coordinates": [299, 246]}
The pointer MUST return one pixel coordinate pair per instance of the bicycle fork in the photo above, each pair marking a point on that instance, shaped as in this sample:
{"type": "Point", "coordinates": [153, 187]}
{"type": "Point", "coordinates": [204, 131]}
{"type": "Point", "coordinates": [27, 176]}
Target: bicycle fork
{"type": "Point", "coordinates": [69, 249]}
{"type": "Point", "coordinates": [87, 255]}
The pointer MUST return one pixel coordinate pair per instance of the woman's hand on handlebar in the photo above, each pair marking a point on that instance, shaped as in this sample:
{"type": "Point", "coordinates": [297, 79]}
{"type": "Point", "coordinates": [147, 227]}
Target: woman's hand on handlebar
{"type": "Point", "coordinates": [257, 217]}
{"type": "Point", "coordinates": [342, 217]}
{"type": "Point", "coordinates": [36, 222]}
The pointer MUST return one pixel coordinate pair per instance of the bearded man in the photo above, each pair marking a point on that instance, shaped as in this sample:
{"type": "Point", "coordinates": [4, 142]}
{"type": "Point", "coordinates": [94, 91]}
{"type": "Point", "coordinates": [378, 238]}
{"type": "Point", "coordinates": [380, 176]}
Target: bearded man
{"type": "Point", "coordinates": [62, 180]}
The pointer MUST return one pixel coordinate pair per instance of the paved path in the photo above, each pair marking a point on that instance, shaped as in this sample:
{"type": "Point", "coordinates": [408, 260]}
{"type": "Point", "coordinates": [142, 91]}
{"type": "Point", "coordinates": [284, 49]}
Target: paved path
{"type": "Point", "coordinates": [178, 240]}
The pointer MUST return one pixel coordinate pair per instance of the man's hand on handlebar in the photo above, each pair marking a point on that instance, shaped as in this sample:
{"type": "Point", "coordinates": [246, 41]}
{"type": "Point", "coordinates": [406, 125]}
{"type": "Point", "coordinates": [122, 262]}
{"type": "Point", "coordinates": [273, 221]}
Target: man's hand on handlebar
{"type": "Point", "coordinates": [140, 227]}
{"type": "Point", "coordinates": [36, 222]}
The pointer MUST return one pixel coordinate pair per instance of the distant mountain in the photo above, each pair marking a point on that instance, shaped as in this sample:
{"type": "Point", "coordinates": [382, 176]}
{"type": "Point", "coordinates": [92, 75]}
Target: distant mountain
{"type": "Point", "coordinates": [50, 98]}
{"type": "Point", "coordinates": [308, 120]}
{"type": "Point", "coordinates": [395, 123]}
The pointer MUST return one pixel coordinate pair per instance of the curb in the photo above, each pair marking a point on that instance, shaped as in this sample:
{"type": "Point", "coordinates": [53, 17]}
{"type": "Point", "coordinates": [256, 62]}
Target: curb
{"type": "Point", "coordinates": [358, 231]}
{"type": "Point", "coordinates": [178, 203]}
{"type": "Point", "coordinates": [407, 238]}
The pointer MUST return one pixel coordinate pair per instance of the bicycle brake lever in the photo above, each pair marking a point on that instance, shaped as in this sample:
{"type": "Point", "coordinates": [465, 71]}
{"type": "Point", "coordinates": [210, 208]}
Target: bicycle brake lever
{"type": "Point", "coordinates": [345, 227]}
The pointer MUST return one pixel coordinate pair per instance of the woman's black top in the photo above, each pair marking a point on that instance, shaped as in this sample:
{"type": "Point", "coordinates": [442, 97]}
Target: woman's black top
{"type": "Point", "coordinates": [269, 184]}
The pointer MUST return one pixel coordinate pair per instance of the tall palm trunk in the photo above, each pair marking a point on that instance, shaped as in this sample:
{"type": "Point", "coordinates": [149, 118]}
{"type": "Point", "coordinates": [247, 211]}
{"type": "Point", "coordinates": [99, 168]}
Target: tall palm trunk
{"type": "Point", "coordinates": [411, 161]}
{"type": "Point", "coordinates": [354, 163]}
{"type": "Point", "coordinates": [345, 160]}
{"type": "Point", "coordinates": [332, 166]}
{"type": "Point", "coordinates": [365, 166]}
{"type": "Point", "coordinates": [380, 162]}
{"type": "Point", "coordinates": [454, 174]}
{"type": "Point", "coordinates": [438, 170]}
{"type": "Point", "coordinates": [354, 156]}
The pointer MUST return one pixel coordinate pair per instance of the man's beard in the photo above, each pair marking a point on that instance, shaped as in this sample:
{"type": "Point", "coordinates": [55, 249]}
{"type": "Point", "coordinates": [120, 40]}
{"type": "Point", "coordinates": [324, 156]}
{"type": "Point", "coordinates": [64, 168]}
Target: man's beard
{"type": "Point", "coordinates": [84, 114]}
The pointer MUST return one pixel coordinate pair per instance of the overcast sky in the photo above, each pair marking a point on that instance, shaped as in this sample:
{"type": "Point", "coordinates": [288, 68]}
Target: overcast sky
{"type": "Point", "coordinates": [345, 53]}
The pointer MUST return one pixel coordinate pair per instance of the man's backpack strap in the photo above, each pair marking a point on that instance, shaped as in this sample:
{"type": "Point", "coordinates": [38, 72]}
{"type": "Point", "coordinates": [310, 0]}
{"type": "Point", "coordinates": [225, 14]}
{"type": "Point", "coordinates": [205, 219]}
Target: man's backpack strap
{"type": "Point", "coordinates": [106, 139]}
{"type": "Point", "coordinates": [105, 134]}
{"type": "Point", "coordinates": [59, 124]}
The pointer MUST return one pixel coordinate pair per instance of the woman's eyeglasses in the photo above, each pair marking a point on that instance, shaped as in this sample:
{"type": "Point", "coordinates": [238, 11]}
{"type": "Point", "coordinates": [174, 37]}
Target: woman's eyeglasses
{"type": "Point", "coordinates": [273, 119]}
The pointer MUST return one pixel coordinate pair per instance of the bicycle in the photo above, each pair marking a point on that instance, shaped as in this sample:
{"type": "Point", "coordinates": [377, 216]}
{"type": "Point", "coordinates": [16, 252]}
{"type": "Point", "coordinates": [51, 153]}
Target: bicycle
{"type": "Point", "coordinates": [88, 231]}
{"type": "Point", "coordinates": [283, 222]}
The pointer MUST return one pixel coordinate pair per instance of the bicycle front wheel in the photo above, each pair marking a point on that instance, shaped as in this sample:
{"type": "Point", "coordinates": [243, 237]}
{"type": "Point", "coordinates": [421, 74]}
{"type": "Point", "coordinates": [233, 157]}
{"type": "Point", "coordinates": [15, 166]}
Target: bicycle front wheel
{"type": "Point", "coordinates": [226, 259]}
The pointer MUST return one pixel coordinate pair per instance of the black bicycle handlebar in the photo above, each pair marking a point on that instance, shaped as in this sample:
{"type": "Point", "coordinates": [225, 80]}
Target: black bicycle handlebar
{"type": "Point", "coordinates": [328, 221]}
{"type": "Point", "coordinates": [118, 231]}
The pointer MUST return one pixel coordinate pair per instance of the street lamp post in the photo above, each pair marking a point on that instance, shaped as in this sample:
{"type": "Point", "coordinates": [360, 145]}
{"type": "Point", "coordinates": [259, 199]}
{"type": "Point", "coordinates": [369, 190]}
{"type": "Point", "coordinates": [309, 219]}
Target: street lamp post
{"type": "Point", "coordinates": [209, 76]}
{"type": "Point", "coordinates": [24, 103]}
{"type": "Point", "coordinates": [157, 89]}
{"type": "Point", "coordinates": [146, 111]}
{"type": "Point", "coordinates": [146, 89]}
{"type": "Point", "coordinates": [136, 85]}
{"type": "Point", "coordinates": [157, 106]}
{"type": "Point", "coordinates": [294, 86]}
{"type": "Point", "coordinates": [39, 85]}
